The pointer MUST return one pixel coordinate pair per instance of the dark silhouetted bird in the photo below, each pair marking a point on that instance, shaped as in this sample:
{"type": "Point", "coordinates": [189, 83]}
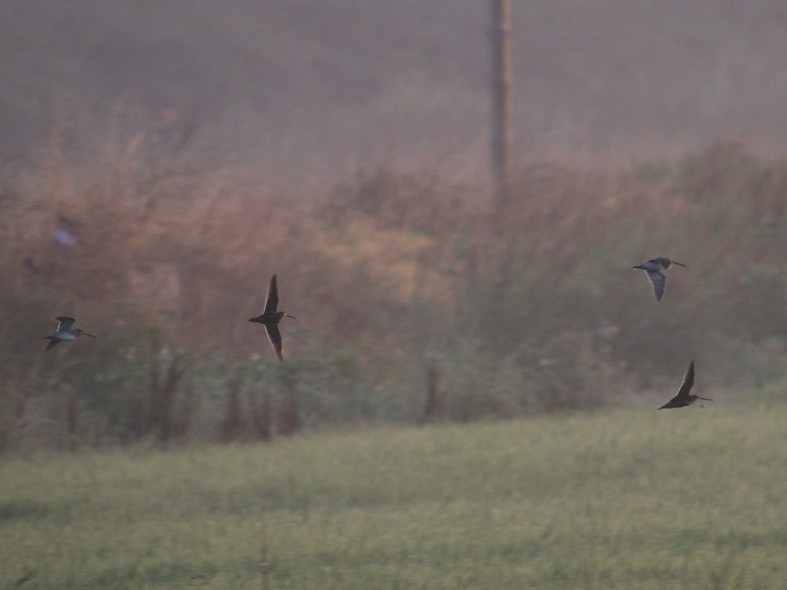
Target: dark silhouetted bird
{"type": "Point", "coordinates": [654, 268]}
{"type": "Point", "coordinates": [682, 398]}
{"type": "Point", "coordinates": [65, 332]}
{"type": "Point", "coordinates": [270, 318]}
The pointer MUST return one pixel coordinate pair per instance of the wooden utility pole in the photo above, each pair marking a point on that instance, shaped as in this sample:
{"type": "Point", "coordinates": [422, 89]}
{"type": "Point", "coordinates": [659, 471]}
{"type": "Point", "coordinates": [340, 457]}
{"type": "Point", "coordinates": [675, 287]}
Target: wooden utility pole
{"type": "Point", "coordinates": [502, 135]}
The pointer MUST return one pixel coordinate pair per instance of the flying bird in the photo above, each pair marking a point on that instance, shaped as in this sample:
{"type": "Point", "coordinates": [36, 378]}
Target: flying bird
{"type": "Point", "coordinates": [65, 332]}
{"type": "Point", "coordinates": [654, 268]}
{"type": "Point", "coordinates": [270, 318]}
{"type": "Point", "coordinates": [682, 398]}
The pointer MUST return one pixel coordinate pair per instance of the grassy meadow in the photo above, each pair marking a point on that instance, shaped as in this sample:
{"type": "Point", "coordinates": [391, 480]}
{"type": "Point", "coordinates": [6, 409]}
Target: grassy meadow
{"type": "Point", "coordinates": [628, 498]}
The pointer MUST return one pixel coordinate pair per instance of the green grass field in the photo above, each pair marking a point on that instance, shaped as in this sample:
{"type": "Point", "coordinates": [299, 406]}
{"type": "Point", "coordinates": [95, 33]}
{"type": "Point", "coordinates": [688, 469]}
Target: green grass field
{"type": "Point", "coordinates": [628, 499]}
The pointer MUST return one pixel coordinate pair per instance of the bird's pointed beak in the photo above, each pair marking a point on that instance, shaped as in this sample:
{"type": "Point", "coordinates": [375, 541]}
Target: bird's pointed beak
{"type": "Point", "coordinates": [679, 264]}
{"type": "Point", "coordinates": [286, 315]}
{"type": "Point", "coordinates": [707, 399]}
{"type": "Point", "coordinates": [86, 334]}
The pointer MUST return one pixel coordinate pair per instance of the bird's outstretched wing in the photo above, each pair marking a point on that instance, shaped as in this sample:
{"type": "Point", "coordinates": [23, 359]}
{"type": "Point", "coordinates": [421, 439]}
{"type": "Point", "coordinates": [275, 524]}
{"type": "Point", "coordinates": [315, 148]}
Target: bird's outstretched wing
{"type": "Point", "coordinates": [687, 384]}
{"type": "Point", "coordinates": [272, 300]}
{"type": "Point", "coordinates": [659, 282]}
{"type": "Point", "coordinates": [275, 337]}
{"type": "Point", "coordinates": [52, 342]}
{"type": "Point", "coordinates": [64, 321]}
{"type": "Point", "coordinates": [681, 399]}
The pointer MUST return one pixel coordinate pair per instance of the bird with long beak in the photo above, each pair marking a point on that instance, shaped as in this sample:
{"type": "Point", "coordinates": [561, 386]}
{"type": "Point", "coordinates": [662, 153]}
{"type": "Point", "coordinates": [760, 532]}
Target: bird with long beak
{"type": "Point", "coordinates": [655, 267]}
{"type": "Point", "coordinates": [270, 318]}
{"type": "Point", "coordinates": [682, 398]}
{"type": "Point", "coordinates": [65, 332]}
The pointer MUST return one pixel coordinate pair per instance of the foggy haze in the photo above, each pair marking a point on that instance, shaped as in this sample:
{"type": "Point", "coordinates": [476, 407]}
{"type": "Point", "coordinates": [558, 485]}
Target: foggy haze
{"type": "Point", "coordinates": [302, 85]}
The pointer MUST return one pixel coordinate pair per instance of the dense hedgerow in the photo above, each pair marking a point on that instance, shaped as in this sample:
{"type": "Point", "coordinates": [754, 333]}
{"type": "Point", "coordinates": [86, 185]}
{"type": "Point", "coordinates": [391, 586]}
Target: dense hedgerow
{"type": "Point", "coordinates": [406, 286]}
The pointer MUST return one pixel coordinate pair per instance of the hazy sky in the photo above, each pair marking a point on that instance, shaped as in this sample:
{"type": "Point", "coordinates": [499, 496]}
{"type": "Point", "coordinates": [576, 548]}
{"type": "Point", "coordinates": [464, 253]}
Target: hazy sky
{"type": "Point", "coordinates": [311, 85]}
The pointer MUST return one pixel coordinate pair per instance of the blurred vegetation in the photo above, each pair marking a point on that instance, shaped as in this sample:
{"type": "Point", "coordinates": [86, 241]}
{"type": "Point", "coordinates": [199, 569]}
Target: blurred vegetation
{"type": "Point", "coordinates": [417, 297]}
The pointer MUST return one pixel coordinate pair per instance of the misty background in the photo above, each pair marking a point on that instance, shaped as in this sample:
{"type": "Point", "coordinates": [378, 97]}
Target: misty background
{"type": "Point", "coordinates": [309, 88]}
{"type": "Point", "coordinates": [161, 160]}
